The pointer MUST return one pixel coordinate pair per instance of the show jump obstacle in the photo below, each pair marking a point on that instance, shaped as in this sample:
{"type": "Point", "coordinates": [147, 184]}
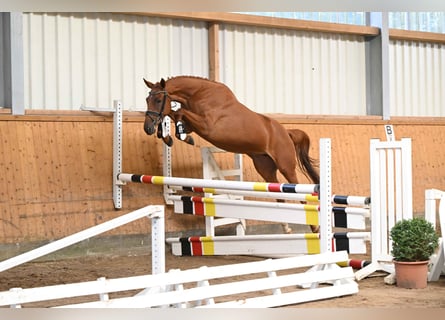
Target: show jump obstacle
{"type": "Point", "coordinates": [391, 194]}
{"type": "Point", "coordinates": [254, 210]}
{"type": "Point", "coordinates": [392, 198]}
{"type": "Point", "coordinates": [274, 281]}
{"type": "Point", "coordinates": [320, 204]}
{"type": "Point", "coordinates": [271, 283]}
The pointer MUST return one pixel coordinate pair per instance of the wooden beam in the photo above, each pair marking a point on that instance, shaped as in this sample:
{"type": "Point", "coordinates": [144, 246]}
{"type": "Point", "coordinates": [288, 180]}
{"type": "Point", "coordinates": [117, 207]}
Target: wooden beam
{"type": "Point", "coordinates": [132, 116]}
{"type": "Point", "coordinates": [409, 35]}
{"type": "Point", "coordinates": [261, 21]}
{"type": "Point", "coordinates": [69, 116]}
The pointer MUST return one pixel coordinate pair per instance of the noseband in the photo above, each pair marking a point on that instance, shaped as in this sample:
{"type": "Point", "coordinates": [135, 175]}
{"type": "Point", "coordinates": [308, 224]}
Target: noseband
{"type": "Point", "coordinates": [159, 115]}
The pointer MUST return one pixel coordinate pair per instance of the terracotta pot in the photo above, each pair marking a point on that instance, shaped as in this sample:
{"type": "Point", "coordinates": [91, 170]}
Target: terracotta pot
{"type": "Point", "coordinates": [411, 275]}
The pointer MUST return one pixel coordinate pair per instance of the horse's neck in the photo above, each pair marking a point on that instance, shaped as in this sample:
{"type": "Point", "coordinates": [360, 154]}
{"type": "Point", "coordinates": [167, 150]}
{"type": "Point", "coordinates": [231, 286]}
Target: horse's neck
{"type": "Point", "coordinates": [182, 90]}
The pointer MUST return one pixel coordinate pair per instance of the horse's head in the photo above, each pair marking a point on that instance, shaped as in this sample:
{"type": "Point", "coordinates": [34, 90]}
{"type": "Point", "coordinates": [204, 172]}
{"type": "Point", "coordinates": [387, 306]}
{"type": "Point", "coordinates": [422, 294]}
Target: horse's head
{"type": "Point", "coordinates": [158, 105]}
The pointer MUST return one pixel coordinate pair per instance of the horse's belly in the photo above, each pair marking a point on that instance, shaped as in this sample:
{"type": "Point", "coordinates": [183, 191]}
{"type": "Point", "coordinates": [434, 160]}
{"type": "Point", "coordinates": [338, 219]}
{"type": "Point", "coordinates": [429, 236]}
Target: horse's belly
{"type": "Point", "coordinates": [239, 145]}
{"type": "Point", "coordinates": [246, 134]}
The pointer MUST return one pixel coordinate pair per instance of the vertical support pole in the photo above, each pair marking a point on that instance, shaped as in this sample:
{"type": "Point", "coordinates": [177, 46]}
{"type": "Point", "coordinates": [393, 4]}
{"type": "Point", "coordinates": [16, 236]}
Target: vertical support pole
{"type": "Point", "coordinates": [430, 206]}
{"type": "Point", "coordinates": [117, 153]}
{"type": "Point", "coordinates": [442, 226]}
{"type": "Point", "coordinates": [158, 241]}
{"type": "Point", "coordinates": [325, 214]}
{"type": "Point", "coordinates": [12, 62]}
{"type": "Point", "coordinates": [407, 181]}
{"type": "Point", "coordinates": [238, 160]}
{"type": "Point", "coordinates": [167, 163]}
{"type": "Point", "coordinates": [206, 156]}
{"type": "Point", "coordinates": [398, 178]}
{"type": "Point", "coordinates": [376, 200]}
{"type": "Point", "coordinates": [377, 67]}
{"type": "Point", "coordinates": [393, 184]}
{"type": "Point", "coordinates": [214, 67]}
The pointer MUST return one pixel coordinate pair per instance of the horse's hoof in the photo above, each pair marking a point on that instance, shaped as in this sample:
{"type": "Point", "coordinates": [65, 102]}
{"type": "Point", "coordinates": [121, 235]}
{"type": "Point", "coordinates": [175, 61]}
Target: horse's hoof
{"type": "Point", "coordinates": [286, 229]}
{"type": "Point", "coordinates": [169, 141]}
{"type": "Point", "coordinates": [315, 229]}
{"type": "Point", "coordinates": [190, 140]}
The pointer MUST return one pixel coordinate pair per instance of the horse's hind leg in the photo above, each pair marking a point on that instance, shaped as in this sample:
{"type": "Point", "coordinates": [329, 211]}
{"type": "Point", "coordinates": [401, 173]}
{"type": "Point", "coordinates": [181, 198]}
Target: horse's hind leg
{"type": "Point", "coordinates": [266, 167]}
{"type": "Point", "coordinates": [287, 164]}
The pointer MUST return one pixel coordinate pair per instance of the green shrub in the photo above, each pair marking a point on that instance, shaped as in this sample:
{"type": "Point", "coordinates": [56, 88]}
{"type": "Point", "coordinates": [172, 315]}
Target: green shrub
{"type": "Point", "coordinates": [413, 240]}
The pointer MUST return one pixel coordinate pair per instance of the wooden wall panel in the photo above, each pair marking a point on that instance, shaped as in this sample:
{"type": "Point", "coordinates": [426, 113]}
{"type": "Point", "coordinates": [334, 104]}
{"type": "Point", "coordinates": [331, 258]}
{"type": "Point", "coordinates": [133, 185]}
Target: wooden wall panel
{"type": "Point", "coordinates": [57, 171]}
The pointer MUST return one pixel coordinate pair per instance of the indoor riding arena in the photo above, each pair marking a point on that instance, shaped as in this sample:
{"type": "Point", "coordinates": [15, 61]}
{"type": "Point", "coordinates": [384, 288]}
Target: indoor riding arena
{"type": "Point", "coordinates": [205, 229]}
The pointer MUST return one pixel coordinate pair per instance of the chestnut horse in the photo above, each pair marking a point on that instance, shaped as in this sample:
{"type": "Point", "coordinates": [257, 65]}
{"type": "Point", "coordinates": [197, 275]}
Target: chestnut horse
{"type": "Point", "coordinates": [211, 110]}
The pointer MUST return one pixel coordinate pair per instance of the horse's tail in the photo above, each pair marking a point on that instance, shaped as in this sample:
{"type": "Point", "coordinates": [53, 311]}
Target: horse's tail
{"type": "Point", "coordinates": [305, 162]}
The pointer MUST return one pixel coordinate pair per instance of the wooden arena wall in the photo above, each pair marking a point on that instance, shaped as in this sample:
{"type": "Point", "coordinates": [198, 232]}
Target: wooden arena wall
{"type": "Point", "coordinates": [57, 169]}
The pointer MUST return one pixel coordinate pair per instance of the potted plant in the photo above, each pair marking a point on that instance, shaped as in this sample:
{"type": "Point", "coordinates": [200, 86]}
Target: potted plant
{"type": "Point", "coordinates": [413, 242]}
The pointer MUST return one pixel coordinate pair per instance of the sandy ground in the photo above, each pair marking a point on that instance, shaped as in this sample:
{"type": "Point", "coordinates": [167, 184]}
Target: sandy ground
{"type": "Point", "coordinates": [373, 292]}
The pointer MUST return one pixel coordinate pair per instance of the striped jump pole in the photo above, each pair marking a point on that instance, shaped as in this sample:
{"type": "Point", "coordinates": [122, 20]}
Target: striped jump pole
{"type": "Point", "coordinates": [307, 197]}
{"type": "Point", "coordinates": [219, 184]}
{"type": "Point", "coordinates": [351, 200]}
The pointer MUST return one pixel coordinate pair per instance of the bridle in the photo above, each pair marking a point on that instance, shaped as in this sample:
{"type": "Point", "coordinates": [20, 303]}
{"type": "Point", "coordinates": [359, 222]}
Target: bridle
{"type": "Point", "coordinates": [159, 115]}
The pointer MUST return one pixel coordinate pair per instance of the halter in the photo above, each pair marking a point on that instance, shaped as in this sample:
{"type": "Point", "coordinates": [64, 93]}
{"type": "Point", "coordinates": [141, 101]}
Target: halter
{"type": "Point", "coordinates": [159, 114]}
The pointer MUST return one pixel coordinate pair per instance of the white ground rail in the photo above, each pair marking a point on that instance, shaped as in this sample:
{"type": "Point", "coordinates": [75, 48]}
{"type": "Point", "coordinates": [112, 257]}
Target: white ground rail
{"type": "Point", "coordinates": [203, 286]}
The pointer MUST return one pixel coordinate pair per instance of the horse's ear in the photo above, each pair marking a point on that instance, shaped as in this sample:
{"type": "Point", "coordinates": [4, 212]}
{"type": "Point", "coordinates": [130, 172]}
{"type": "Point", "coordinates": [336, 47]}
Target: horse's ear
{"type": "Point", "coordinates": [148, 84]}
{"type": "Point", "coordinates": [163, 83]}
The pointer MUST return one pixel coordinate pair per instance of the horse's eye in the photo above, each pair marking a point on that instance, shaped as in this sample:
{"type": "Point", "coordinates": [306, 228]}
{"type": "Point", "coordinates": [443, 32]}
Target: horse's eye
{"type": "Point", "coordinates": [158, 100]}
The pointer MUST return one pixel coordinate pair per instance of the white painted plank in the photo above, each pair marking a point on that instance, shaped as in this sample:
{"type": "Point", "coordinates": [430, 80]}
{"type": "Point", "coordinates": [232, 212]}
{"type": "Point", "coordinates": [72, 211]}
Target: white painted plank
{"type": "Point", "coordinates": [218, 290]}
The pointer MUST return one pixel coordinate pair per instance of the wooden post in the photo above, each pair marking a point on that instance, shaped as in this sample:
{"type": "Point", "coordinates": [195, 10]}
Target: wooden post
{"type": "Point", "coordinates": [214, 51]}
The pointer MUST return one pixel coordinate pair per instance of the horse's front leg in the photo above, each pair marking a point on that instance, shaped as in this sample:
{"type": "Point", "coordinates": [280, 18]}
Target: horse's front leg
{"type": "Point", "coordinates": [180, 129]}
{"type": "Point", "coordinates": [164, 135]}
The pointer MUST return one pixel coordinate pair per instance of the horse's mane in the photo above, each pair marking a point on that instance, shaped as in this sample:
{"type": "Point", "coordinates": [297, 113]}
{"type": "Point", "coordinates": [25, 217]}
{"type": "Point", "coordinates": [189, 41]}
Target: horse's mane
{"type": "Point", "coordinates": [192, 77]}
{"type": "Point", "coordinates": [212, 82]}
